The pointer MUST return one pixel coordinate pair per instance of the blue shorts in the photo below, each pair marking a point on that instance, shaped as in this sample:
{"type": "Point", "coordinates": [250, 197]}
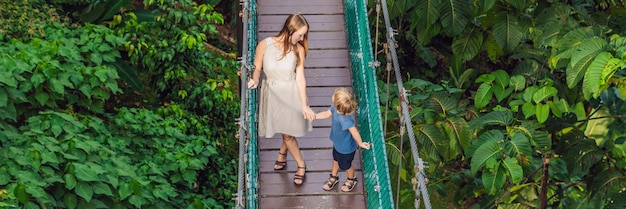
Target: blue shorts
{"type": "Point", "coordinates": [344, 160]}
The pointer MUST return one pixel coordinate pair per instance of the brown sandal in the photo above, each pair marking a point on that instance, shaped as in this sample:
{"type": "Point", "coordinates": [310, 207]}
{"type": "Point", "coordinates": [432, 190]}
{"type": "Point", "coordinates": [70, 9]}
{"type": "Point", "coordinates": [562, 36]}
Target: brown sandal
{"type": "Point", "coordinates": [330, 183]}
{"type": "Point", "coordinates": [349, 185]}
{"type": "Point", "coordinates": [280, 164]}
{"type": "Point", "coordinates": [299, 177]}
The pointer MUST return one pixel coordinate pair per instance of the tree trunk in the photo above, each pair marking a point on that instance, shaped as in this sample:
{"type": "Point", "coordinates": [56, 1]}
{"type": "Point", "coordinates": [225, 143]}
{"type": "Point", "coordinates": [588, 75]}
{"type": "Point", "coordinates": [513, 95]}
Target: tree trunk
{"type": "Point", "coordinates": [543, 195]}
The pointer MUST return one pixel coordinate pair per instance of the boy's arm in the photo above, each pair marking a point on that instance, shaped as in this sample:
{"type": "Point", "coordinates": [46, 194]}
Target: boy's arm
{"type": "Point", "coordinates": [323, 115]}
{"type": "Point", "coordinates": [357, 138]}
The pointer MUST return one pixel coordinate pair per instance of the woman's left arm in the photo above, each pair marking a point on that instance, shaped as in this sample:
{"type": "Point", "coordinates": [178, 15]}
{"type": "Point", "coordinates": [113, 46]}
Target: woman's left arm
{"type": "Point", "coordinates": [301, 85]}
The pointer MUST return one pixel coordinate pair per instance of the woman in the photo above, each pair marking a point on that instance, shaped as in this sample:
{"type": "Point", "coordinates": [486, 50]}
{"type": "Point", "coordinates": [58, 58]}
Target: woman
{"type": "Point", "coordinates": [283, 105]}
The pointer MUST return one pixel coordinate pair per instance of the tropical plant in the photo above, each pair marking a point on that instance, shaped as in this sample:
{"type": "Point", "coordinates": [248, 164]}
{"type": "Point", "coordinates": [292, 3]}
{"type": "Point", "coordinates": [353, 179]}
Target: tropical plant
{"type": "Point", "coordinates": [547, 93]}
{"type": "Point", "coordinates": [90, 121]}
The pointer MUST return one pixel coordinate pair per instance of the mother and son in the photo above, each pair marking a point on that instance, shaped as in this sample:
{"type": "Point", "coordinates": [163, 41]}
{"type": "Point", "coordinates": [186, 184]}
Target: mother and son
{"type": "Point", "coordinates": [283, 106]}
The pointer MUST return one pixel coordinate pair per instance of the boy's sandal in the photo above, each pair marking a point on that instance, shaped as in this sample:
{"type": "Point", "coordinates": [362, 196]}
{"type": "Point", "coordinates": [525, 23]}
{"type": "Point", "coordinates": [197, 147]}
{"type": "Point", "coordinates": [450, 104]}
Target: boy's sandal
{"type": "Point", "coordinates": [349, 185]}
{"type": "Point", "coordinates": [331, 182]}
{"type": "Point", "coordinates": [299, 177]}
{"type": "Point", "coordinates": [280, 165]}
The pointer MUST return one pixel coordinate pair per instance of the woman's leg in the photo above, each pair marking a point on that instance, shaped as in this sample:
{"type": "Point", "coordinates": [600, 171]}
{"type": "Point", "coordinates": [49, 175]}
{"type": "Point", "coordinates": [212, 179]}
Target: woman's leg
{"type": "Point", "coordinates": [292, 146]}
{"type": "Point", "coordinates": [281, 160]}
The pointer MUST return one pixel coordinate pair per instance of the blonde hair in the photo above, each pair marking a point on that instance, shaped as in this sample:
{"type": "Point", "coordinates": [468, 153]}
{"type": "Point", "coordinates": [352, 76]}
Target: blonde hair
{"type": "Point", "coordinates": [344, 101]}
{"type": "Point", "coordinates": [292, 24]}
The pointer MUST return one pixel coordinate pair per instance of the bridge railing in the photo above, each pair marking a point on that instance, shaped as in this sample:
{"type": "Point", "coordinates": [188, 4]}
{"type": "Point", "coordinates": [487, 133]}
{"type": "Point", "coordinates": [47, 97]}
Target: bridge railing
{"type": "Point", "coordinates": [247, 196]}
{"type": "Point", "coordinates": [375, 168]}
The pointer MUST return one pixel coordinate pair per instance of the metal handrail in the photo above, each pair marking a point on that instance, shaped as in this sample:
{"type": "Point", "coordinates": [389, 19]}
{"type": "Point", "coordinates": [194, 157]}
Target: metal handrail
{"type": "Point", "coordinates": [419, 163]}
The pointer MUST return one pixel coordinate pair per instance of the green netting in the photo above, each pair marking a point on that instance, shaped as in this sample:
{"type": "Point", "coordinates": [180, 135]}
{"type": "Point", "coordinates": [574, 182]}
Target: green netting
{"type": "Point", "coordinates": [252, 154]}
{"type": "Point", "coordinates": [375, 168]}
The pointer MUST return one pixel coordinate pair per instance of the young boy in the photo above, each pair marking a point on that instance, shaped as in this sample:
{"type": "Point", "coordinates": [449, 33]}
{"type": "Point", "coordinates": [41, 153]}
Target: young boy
{"type": "Point", "coordinates": [345, 138]}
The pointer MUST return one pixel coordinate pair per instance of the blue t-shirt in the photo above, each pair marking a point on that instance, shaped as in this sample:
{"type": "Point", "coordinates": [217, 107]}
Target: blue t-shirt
{"type": "Point", "coordinates": [343, 141]}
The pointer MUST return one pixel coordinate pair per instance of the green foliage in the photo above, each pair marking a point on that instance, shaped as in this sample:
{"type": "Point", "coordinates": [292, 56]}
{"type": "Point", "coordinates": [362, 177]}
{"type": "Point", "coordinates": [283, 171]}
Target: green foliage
{"type": "Point", "coordinates": [141, 159]}
{"type": "Point", "coordinates": [68, 137]}
{"type": "Point", "coordinates": [25, 19]}
{"type": "Point", "coordinates": [547, 100]}
{"type": "Point", "coordinates": [68, 71]}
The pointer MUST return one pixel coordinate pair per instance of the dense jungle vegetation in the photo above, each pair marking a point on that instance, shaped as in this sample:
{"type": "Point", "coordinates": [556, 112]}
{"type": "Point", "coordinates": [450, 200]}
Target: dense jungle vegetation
{"type": "Point", "coordinates": [515, 104]}
{"type": "Point", "coordinates": [117, 104]}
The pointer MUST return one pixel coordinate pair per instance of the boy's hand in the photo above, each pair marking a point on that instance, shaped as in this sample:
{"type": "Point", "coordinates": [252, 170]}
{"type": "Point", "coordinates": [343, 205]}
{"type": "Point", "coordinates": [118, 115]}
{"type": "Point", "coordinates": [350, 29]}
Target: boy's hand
{"type": "Point", "coordinates": [365, 145]}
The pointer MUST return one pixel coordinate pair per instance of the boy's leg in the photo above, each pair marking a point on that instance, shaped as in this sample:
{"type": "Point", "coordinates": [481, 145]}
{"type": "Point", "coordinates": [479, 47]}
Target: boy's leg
{"type": "Point", "coordinates": [350, 172]}
{"type": "Point", "coordinates": [335, 168]}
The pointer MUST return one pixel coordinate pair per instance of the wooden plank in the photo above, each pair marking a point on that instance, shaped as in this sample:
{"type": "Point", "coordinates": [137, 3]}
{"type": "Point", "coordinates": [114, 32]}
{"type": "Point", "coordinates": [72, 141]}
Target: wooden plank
{"type": "Point", "coordinates": [339, 62]}
{"type": "Point", "coordinates": [299, 2]}
{"type": "Point", "coordinates": [312, 184]}
{"type": "Point", "coordinates": [329, 81]}
{"type": "Point", "coordinates": [328, 53]}
{"type": "Point", "coordinates": [342, 201]}
{"type": "Point", "coordinates": [317, 26]}
{"type": "Point", "coordinates": [280, 19]}
{"type": "Point", "coordinates": [326, 72]}
{"type": "Point", "coordinates": [302, 9]}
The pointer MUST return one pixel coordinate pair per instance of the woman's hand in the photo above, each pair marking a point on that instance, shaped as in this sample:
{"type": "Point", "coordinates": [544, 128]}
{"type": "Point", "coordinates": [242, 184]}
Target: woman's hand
{"type": "Point", "coordinates": [253, 84]}
{"type": "Point", "coordinates": [308, 113]}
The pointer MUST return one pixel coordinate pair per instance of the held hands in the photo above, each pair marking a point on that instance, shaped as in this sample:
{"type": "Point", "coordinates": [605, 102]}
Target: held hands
{"type": "Point", "coordinates": [365, 145]}
{"type": "Point", "coordinates": [308, 113]}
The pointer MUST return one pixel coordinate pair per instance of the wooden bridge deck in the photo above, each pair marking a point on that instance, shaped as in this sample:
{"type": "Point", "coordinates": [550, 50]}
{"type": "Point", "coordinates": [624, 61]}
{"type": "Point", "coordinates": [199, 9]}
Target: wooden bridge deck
{"type": "Point", "coordinates": [327, 67]}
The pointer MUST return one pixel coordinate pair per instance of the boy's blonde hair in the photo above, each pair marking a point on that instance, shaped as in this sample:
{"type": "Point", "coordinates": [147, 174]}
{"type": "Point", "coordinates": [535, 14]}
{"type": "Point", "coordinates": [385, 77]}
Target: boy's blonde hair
{"type": "Point", "coordinates": [344, 101]}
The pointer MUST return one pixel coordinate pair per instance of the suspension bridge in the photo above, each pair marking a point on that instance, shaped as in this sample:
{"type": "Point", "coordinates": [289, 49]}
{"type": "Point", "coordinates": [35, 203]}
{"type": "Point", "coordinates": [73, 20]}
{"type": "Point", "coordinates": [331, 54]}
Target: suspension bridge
{"type": "Point", "coordinates": [340, 55]}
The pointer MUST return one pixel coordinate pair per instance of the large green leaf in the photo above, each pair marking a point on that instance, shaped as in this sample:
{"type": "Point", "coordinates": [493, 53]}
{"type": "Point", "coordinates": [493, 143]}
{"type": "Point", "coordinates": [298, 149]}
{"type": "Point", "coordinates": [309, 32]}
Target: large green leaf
{"type": "Point", "coordinates": [599, 72]}
{"type": "Point", "coordinates": [468, 44]}
{"type": "Point", "coordinates": [490, 135]}
{"type": "Point", "coordinates": [568, 44]}
{"type": "Point", "coordinates": [459, 131]}
{"type": "Point", "coordinates": [441, 102]}
{"type": "Point", "coordinates": [590, 46]}
{"type": "Point", "coordinates": [543, 93]}
{"type": "Point", "coordinates": [542, 111]}
{"type": "Point", "coordinates": [494, 51]}
{"type": "Point", "coordinates": [83, 190]}
{"type": "Point", "coordinates": [494, 181]}
{"type": "Point", "coordinates": [518, 146]}
{"type": "Point", "coordinates": [399, 7]}
{"type": "Point", "coordinates": [576, 73]}
{"type": "Point", "coordinates": [506, 31]}
{"type": "Point", "coordinates": [513, 169]}
{"type": "Point", "coordinates": [488, 150]}
{"type": "Point", "coordinates": [427, 11]}
{"type": "Point", "coordinates": [84, 173]}
{"type": "Point", "coordinates": [542, 141]}
{"type": "Point", "coordinates": [485, 5]}
{"type": "Point", "coordinates": [430, 136]}
{"type": "Point", "coordinates": [483, 95]}
{"type": "Point", "coordinates": [517, 82]}
{"type": "Point", "coordinates": [500, 117]}
{"type": "Point", "coordinates": [454, 16]}
{"type": "Point", "coordinates": [501, 77]}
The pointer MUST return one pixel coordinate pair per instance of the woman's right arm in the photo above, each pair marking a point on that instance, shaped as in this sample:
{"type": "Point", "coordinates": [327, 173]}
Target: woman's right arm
{"type": "Point", "coordinates": [258, 65]}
